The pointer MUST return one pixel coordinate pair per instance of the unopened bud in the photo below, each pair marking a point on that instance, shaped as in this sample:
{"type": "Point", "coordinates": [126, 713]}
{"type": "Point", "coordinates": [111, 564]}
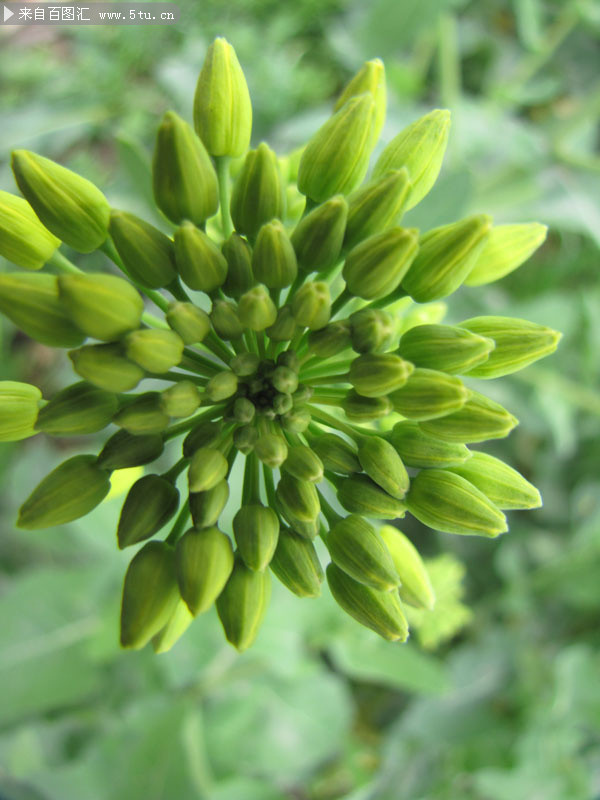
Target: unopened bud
{"type": "Point", "coordinates": [206, 434]}
{"type": "Point", "coordinates": [311, 305]}
{"type": "Point", "coordinates": [337, 454]}
{"type": "Point", "coordinates": [360, 495]}
{"type": "Point", "coordinates": [273, 258]}
{"type": "Point", "coordinates": [299, 498]}
{"type": "Point", "coordinates": [503, 485]}
{"type": "Point", "coordinates": [105, 366]}
{"type": "Point", "coordinates": [415, 587]}
{"type": "Point", "coordinates": [147, 253]}
{"type": "Point", "coordinates": [144, 415]}
{"type": "Point", "coordinates": [303, 463]}
{"type": "Point", "coordinates": [417, 449]}
{"type": "Point", "coordinates": [124, 450]}
{"type": "Point", "coordinates": [372, 330]}
{"type": "Point", "coordinates": [357, 548]}
{"type": "Point", "coordinates": [296, 421]}
{"type": "Point", "coordinates": [207, 469]}
{"type": "Point", "coordinates": [256, 530]}
{"type": "Point", "coordinates": [199, 261]}
{"type": "Point", "coordinates": [377, 265]}
{"type": "Point", "coordinates": [243, 410]}
{"type": "Point", "coordinates": [243, 603]}
{"type": "Point", "coordinates": [371, 79]}
{"type": "Point", "coordinates": [221, 386]}
{"type": "Point", "coordinates": [479, 419]}
{"type": "Point", "coordinates": [179, 621]}
{"type": "Point", "coordinates": [318, 237]}
{"type": "Point", "coordinates": [204, 560]}
{"type": "Point", "coordinates": [102, 306]}
{"type": "Point", "coordinates": [19, 404]}
{"type": "Point", "coordinates": [244, 364]}
{"type": "Point", "coordinates": [284, 327]}
{"type": "Point", "coordinates": [271, 449]}
{"type": "Point", "coordinates": [257, 194]}
{"type": "Point", "coordinates": [296, 564]}
{"type": "Point", "coordinates": [245, 439]}
{"type": "Point", "coordinates": [507, 248]}
{"type": "Point", "coordinates": [331, 340]}
{"type": "Point", "coordinates": [429, 394]}
{"type": "Point", "coordinates": [375, 375]}
{"type": "Point", "coordinates": [238, 255]}
{"type": "Point", "coordinates": [180, 400]}
{"type": "Point", "coordinates": [256, 309]}
{"type": "Point", "coordinates": [383, 465]}
{"type": "Point", "coordinates": [365, 409]}
{"type": "Point", "coordinates": [23, 238]}
{"type": "Point", "coordinates": [206, 507]}
{"type": "Point", "coordinates": [376, 206]}
{"type": "Point", "coordinates": [77, 410]}
{"type": "Point", "coordinates": [445, 347]}
{"type": "Point", "coordinates": [191, 323]}
{"type": "Point", "coordinates": [149, 505]}
{"type": "Point", "coordinates": [225, 320]}
{"type": "Point", "coordinates": [155, 350]}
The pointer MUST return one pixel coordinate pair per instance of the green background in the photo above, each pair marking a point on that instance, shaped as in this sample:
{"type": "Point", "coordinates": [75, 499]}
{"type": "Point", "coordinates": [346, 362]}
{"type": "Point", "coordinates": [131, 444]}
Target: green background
{"type": "Point", "coordinates": [497, 696]}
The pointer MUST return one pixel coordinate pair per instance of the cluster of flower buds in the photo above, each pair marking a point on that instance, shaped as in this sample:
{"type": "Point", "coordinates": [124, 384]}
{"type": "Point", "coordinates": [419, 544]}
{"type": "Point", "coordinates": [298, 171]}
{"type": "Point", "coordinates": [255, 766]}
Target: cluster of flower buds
{"type": "Point", "coordinates": [290, 340]}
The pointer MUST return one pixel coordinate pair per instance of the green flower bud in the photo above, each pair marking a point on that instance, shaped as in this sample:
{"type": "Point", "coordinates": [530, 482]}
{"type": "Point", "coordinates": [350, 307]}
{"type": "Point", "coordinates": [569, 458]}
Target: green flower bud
{"type": "Point", "coordinates": [206, 434]}
{"type": "Point", "coordinates": [415, 588]}
{"type": "Point", "coordinates": [336, 159]}
{"type": "Point", "coordinates": [124, 450]}
{"type": "Point", "coordinates": [365, 409]}
{"type": "Point", "coordinates": [299, 498]}
{"type": "Point", "coordinates": [289, 359]}
{"type": "Point", "coordinates": [149, 505]}
{"type": "Point", "coordinates": [204, 561]}
{"type": "Point", "coordinates": [502, 485]}
{"type": "Point", "coordinates": [360, 495]}
{"type": "Point", "coordinates": [238, 255]}
{"type": "Point", "coordinates": [222, 108]}
{"type": "Point", "coordinates": [284, 327]}
{"type": "Point", "coordinates": [102, 306]}
{"type": "Point", "coordinates": [336, 453]}
{"type": "Point", "coordinates": [208, 467]}
{"type": "Point", "coordinates": [200, 263]}
{"type": "Point", "coordinates": [446, 502]}
{"type": "Point", "coordinates": [375, 375]}
{"type": "Point", "coordinates": [417, 449]}
{"type": "Point", "coordinates": [225, 320]}
{"type": "Point", "coordinates": [383, 465]}
{"type": "Point", "coordinates": [206, 507]}
{"type": "Point", "coordinates": [69, 492]}
{"type": "Point", "coordinates": [155, 350]}
{"type": "Point", "coordinates": [377, 610]}
{"type": "Point", "coordinates": [357, 548]}
{"type": "Point", "coordinates": [244, 364]}
{"type": "Point", "coordinates": [507, 248]}
{"type": "Point", "coordinates": [242, 604]}
{"type": "Point", "coordinates": [256, 530]}
{"type": "Point", "coordinates": [420, 148]}
{"type": "Point", "coordinates": [273, 258]}
{"type": "Point", "coordinates": [245, 438]}
{"type": "Point", "coordinates": [304, 464]}
{"type": "Point", "coordinates": [180, 400]}
{"type": "Point", "coordinates": [147, 253]}
{"type": "Point", "coordinates": [444, 347]}
{"type": "Point", "coordinates": [256, 309]}
{"type": "Point", "coordinates": [296, 564]}
{"type": "Point", "coordinates": [311, 305]}
{"type": "Point", "coordinates": [144, 415]}
{"type": "Point", "coordinates": [372, 330]}
{"type": "Point", "coordinates": [150, 594]}
{"type": "Point", "coordinates": [331, 340]}
{"type": "Point", "coordinates": [105, 366]}
{"type": "Point", "coordinates": [69, 206]}
{"type": "Point", "coordinates": [518, 344]}
{"type": "Point", "coordinates": [184, 179]}
{"type": "Point", "coordinates": [191, 323]}
{"type": "Point", "coordinates": [376, 206]}
{"type": "Point", "coordinates": [19, 404]}
{"type": "Point", "coordinates": [305, 530]}
{"type": "Point", "coordinates": [31, 302]}
{"type": "Point", "coordinates": [23, 238]}
{"type": "Point", "coordinates": [302, 394]}
{"type": "Point", "coordinates": [221, 386]}
{"type": "Point", "coordinates": [257, 195]}
{"type": "Point", "coordinates": [282, 403]}
{"type": "Point", "coordinates": [76, 410]}
{"type": "Point", "coordinates": [479, 419]}
{"type": "Point", "coordinates": [376, 266]}
{"type": "Point", "coordinates": [445, 258]}
{"type": "Point", "coordinates": [179, 621]}
{"type": "Point", "coordinates": [243, 410]}
{"type": "Point", "coordinates": [429, 394]}
{"type": "Point", "coordinates": [271, 449]}
{"type": "Point", "coordinates": [371, 79]}
{"type": "Point", "coordinates": [296, 421]}
{"type": "Point", "coordinates": [285, 379]}
{"type": "Point", "coordinates": [318, 237]}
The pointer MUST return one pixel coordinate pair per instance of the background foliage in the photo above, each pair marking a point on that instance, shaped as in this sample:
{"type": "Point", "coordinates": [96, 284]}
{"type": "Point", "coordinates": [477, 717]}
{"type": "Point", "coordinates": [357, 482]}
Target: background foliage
{"type": "Point", "coordinates": [493, 700]}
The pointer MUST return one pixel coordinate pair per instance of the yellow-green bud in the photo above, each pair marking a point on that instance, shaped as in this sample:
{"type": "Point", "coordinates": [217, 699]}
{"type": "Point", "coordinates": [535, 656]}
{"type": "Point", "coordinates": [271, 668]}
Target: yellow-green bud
{"type": "Point", "coordinates": [377, 265]}
{"type": "Point", "coordinates": [207, 469]}
{"type": "Point", "coordinates": [221, 386]}
{"type": "Point", "coordinates": [311, 305]}
{"type": "Point", "coordinates": [377, 610]}
{"type": "Point", "coordinates": [206, 434]}
{"type": "Point", "coordinates": [19, 404]}
{"type": "Point", "coordinates": [206, 507]}
{"type": "Point", "coordinates": [378, 374]}
{"type": "Point", "coordinates": [383, 465]}
{"type": "Point", "coordinates": [147, 253]}
{"type": "Point", "coordinates": [429, 394]}
{"type": "Point", "coordinates": [245, 438]}
{"type": "Point", "coordinates": [257, 195]}
{"type": "Point", "coordinates": [284, 379]}
{"type": "Point", "coordinates": [273, 258]}
{"type": "Point", "coordinates": [256, 530]}
{"type": "Point", "coordinates": [238, 255]}
{"type": "Point", "coordinates": [417, 449]}
{"type": "Point", "coordinates": [331, 340]}
{"type": "Point", "coordinates": [376, 206]}
{"type": "Point", "coordinates": [290, 360]}
{"type": "Point", "coordinates": [271, 449]}
{"type": "Point", "coordinates": [360, 495]}
{"type": "Point", "coordinates": [124, 450]}
{"type": "Point", "coordinates": [296, 564]}
{"type": "Point", "coordinates": [445, 347]}
{"type": "Point", "coordinates": [144, 415]}
{"type": "Point", "coordinates": [222, 107]}
{"type": "Point", "coordinates": [256, 309]}
{"type": "Point", "coordinates": [184, 179]}
{"type": "Point", "coordinates": [243, 603]}
{"type": "Point", "coordinates": [155, 350]}
{"type": "Point", "coordinates": [446, 502]}
{"type": "Point", "coordinates": [204, 561]}
{"type": "Point", "coordinates": [365, 409]}
{"type": "Point", "coordinates": [180, 400]}
{"type": "Point", "coordinates": [69, 206]}
{"type": "Point", "coordinates": [191, 323]}
{"type": "Point", "coordinates": [518, 344]}
{"type": "Point", "coordinates": [336, 158]}
{"type": "Point", "coordinates": [507, 248]}
{"type": "Point", "coordinates": [282, 403]}
{"type": "Point", "coordinates": [372, 330]}
{"type": "Point", "coordinates": [303, 463]}
{"type": "Point", "coordinates": [200, 263]}
{"type": "Point", "coordinates": [357, 548]}
{"type": "Point", "coordinates": [77, 410]}
{"type": "Point", "coordinates": [318, 237]}
{"type": "Point", "coordinates": [415, 588]}
{"type": "Point", "coordinates": [243, 410]}
{"type": "Point", "coordinates": [503, 485]}
{"type": "Point", "coordinates": [150, 594]}
{"type": "Point", "coordinates": [102, 306]}
{"type": "Point", "coordinates": [69, 492]}
{"type": "Point", "coordinates": [284, 327]}
{"type": "Point", "coordinates": [23, 238]}
{"type": "Point", "coordinates": [306, 530]}
{"type": "Point", "coordinates": [296, 421]}
{"type": "Point", "coordinates": [336, 453]}
{"type": "Point", "coordinates": [179, 621]}
{"type": "Point", "coordinates": [302, 394]}
{"type": "Point", "coordinates": [105, 366]}
{"type": "Point", "coordinates": [299, 498]}
{"type": "Point", "coordinates": [371, 79]}
{"type": "Point", "coordinates": [420, 148]}
{"type": "Point", "coordinates": [479, 419]}
{"type": "Point", "coordinates": [225, 320]}
{"type": "Point", "coordinates": [149, 505]}
{"type": "Point", "coordinates": [445, 258]}
{"type": "Point", "coordinates": [244, 364]}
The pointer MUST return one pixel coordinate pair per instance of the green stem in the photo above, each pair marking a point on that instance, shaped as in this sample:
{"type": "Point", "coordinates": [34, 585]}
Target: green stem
{"type": "Point", "coordinates": [270, 487]}
{"type": "Point", "coordinates": [325, 380]}
{"type": "Point", "coordinates": [325, 366]}
{"type": "Point", "coordinates": [62, 264]}
{"type": "Point", "coordinates": [218, 347]}
{"type": "Point", "coordinates": [222, 164]}
{"type": "Point", "coordinates": [180, 523]}
{"type": "Point", "coordinates": [251, 490]}
{"type": "Point", "coordinates": [110, 250]}
{"type": "Point", "coordinates": [178, 291]}
{"type": "Point", "coordinates": [353, 432]}
{"type": "Point", "coordinates": [200, 360]}
{"type": "Point", "coordinates": [176, 470]}
{"type": "Point", "coordinates": [183, 427]}
{"type": "Point", "coordinates": [330, 515]}
{"type": "Point", "coordinates": [340, 302]}
{"type": "Point", "coordinates": [298, 281]}
{"type": "Point", "coordinates": [177, 376]}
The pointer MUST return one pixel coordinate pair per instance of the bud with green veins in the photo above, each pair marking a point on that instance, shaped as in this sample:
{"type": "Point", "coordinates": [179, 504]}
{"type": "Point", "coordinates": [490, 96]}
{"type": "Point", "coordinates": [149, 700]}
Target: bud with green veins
{"type": "Point", "coordinates": [238, 255]}
{"type": "Point", "coordinates": [382, 464]}
{"type": "Point", "coordinates": [257, 194]}
{"type": "Point", "coordinates": [225, 320]}
{"type": "Point", "coordinates": [375, 375]}
{"type": "Point", "coordinates": [479, 419]}
{"type": "Point", "coordinates": [79, 409]}
{"type": "Point", "coordinates": [370, 79]}
{"type": "Point", "coordinates": [448, 348]}
{"type": "Point", "coordinates": [518, 343]}
{"type": "Point", "coordinates": [180, 400]}
{"type": "Point", "coordinates": [273, 258]}
{"type": "Point", "coordinates": [256, 309]}
{"type": "Point", "coordinates": [285, 379]}
{"type": "Point", "coordinates": [299, 498]}
{"type": "Point", "coordinates": [23, 238]}
{"type": "Point", "coordinates": [420, 148]}
{"type": "Point", "coordinates": [102, 306]}
{"type": "Point", "coordinates": [372, 330]}
{"type": "Point", "coordinates": [331, 340]}
{"type": "Point", "coordinates": [149, 505]}
{"type": "Point", "coordinates": [361, 495]}
{"type": "Point", "coordinates": [417, 449]}
{"type": "Point", "coordinates": [200, 263]}
{"type": "Point", "coordinates": [284, 327]}
{"type": "Point", "coordinates": [206, 434]}
{"type": "Point", "coordinates": [207, 469]}
{"type": "Point", "coordinates": [184, 179]}
{"type": "Point", "coordinates": [303, 463]}
{"type": "Point", "coordinates": [222, 386]}
{"type": "Point", "coordinates": [376, 206]}
{"type": "Point", "coordinates": [311, 305]}
{"type": "Point", "coordinates": [296, 563]}
{"type": "Point", "coordinates": [296, 421]}
{"type": "Point", "coordinates": [204, 561]}
{"type": "Point", "coordinates": [155, 350]}
{"type": "Point", "coordinates": [124, 450]}
{"type": "Point", "coordinates": [245, 439]}
{"type": "Point", "coordinates": [357, 548]}
{"type": "Point", "coordinates": [256, 530]}
{"type": "Point", "coordinates": [244, 364]}
{"type": "Point", "coordinates": [105, 366]}
{"type": "Point", "coordinates": [243, 603]}
{"type": "Point", "coordinates": [507, 248]}
{"type": "Point", "coordinates": [243, 410]}
{"type": "Point", "coordinates": [206, 507]}
{"type": "Point", "coordinates": [147, 253]}
{"type": "Point", "coordinates": [429, 394]}
{"type": "Point", "coordinates": [191, 323]}
{"type": "Point", "coordinates": [318, 237]}
{"type": "Point", "coordinates": [503, 485]}
{"type": "Point", "coordinates": [415, 586]}
{"type": "Point", "coordinates": [179, 621]}
{"type": "Point", "coordinates": [365, 409]}
{"type": "Point", "coordinates": [69, 206]}
{"type": "Point", "coordinates": [377, 265]}
{"type": "Point", "coordinates": [19, 405]}
{"type": "Point", "coordinates": [337, 454]}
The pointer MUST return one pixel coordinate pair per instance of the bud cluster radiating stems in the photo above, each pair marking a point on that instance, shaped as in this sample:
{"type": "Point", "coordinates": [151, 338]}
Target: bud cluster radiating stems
{"type": "Point", "coordinates": [289, 330]}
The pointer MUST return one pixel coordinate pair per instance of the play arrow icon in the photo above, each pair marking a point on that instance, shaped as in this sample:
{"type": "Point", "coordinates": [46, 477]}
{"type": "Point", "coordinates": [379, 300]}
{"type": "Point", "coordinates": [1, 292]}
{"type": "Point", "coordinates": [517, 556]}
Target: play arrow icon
{"type": "Point", "coordinates": [8, 13]}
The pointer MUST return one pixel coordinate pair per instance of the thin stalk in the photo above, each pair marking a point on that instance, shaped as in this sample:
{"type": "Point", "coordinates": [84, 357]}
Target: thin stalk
{"type": "Point", "coordinates": [218, 347]}
{"type": "Point", "coordinates": [178, 291]}
{"type": "Point", "coordinates": [251, 487]}
{"type": "Point", "coordinates": [200, 360]}
{"type": "Point", "coordinates": [270, 487]}
{"type": "Point", "coordinates": [328, 512]}
{"type": "Point", "coordinates": [180, 523]}
{"type": "Point", "coordinates": [340, 302]}
{"type": "Point", "coordinates": [352, 431]}
{"type": "Point", "coordinates": [327, 379]}
{"type": "Point", "coordinates": [297, 283]}
{"type": "Point", "coordinates": [325, 365]}
{"type": "Point", "coordinates": [176, 470]}
{"type": "Point", "coordinates": [183, 427]}
{"type": "Point", "coordinates": [222, 165]}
